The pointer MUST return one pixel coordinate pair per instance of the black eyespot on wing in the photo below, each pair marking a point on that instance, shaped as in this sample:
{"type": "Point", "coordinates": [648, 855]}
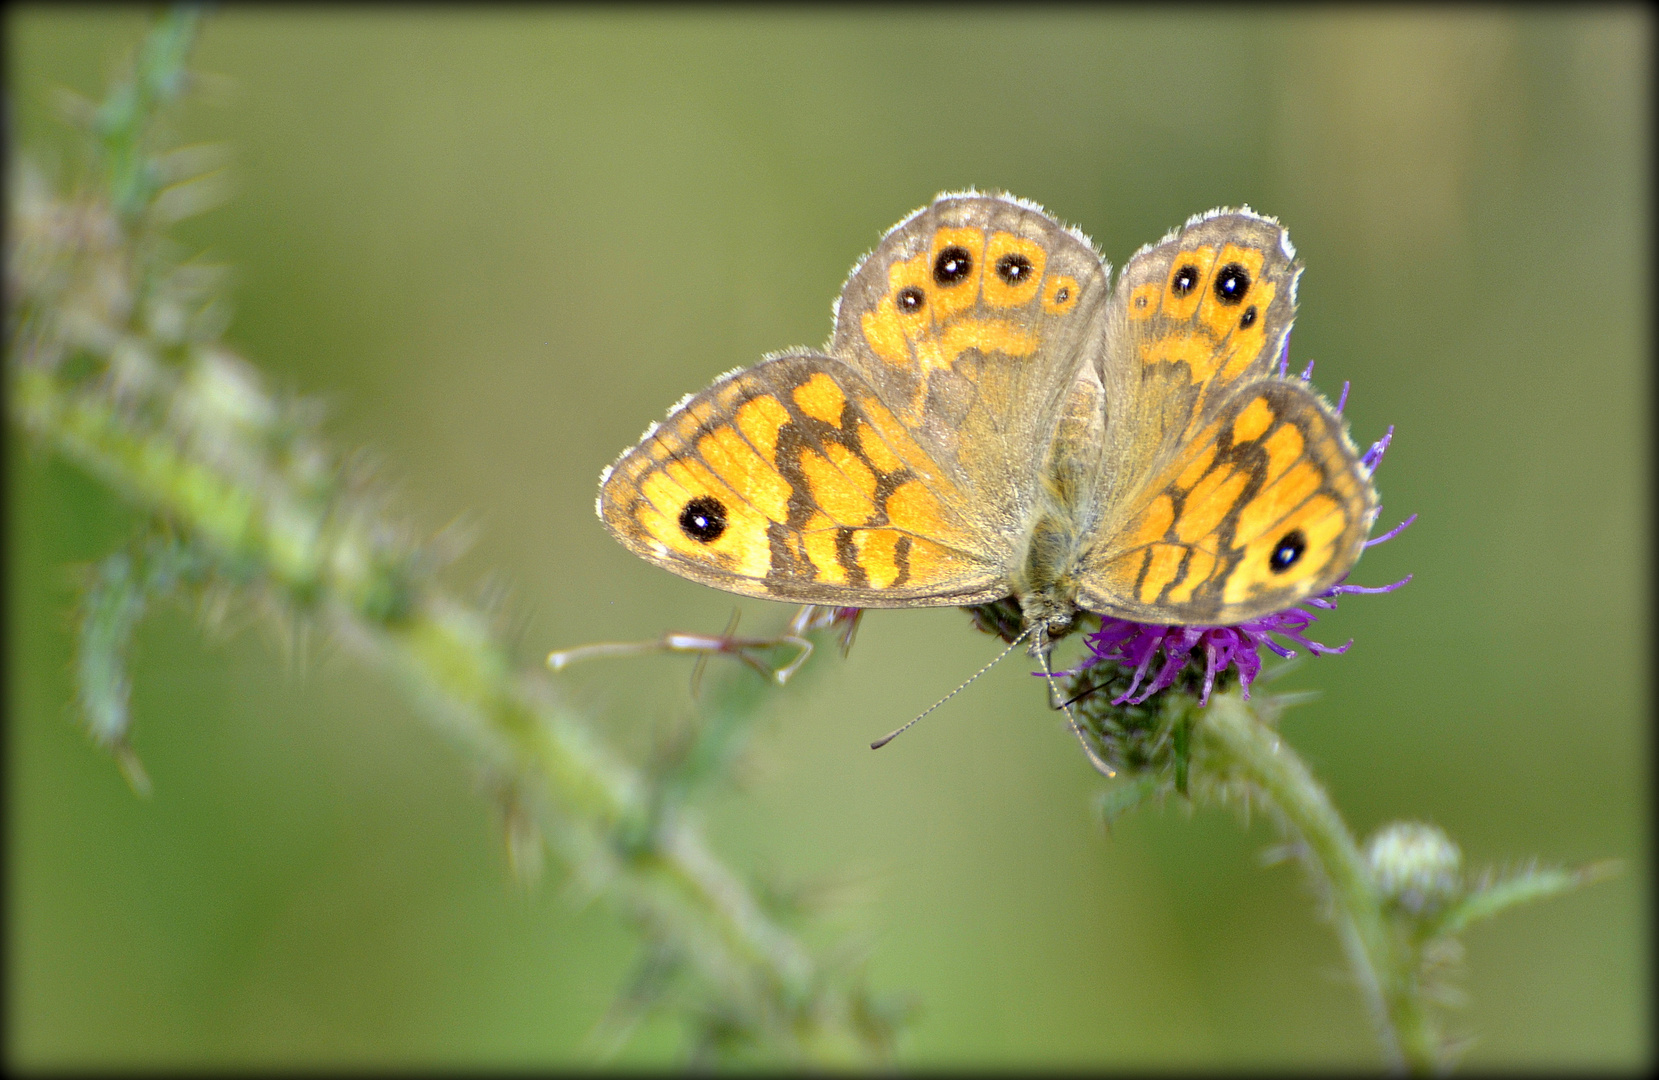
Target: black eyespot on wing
{"type": "Point", "coordinates": [703, 519]}
{"type": "Point", "coordinates": [1015, 269]}
{"type": "Point", "coordinates": [1184, 281]}
{"type": "Point", "coordinates": [952, 265]}
{"type": "Point", "coordinates": [1288, 551]}
{"type": "Point", "coordinates": [1248, 319]}
{"type": "Point", "coordinates": [1231, 284]}
{"type": "Point", "coordinates": [911, 300]}
{"type": "Point", "coordinates": [1062, 294]}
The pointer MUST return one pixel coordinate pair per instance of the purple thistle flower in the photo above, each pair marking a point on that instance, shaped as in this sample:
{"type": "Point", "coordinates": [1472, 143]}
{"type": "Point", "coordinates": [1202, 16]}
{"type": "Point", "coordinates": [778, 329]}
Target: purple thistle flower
{"type": "Point", "coordinates": [1135, 645]}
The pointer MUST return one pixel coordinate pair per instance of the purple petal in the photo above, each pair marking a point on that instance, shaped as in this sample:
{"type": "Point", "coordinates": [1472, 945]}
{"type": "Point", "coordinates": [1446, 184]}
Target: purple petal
{"type": "Point", "coordinates": [1373, 457]}
{"type": "Point", "coordinates": [1368, 589]}
{"type": "Point", "coordinates": [1392, 533]}
{"type": "Point", "coordinates": [1274, 647]}
{"type": "Point", "coordinates": [1249, 665]}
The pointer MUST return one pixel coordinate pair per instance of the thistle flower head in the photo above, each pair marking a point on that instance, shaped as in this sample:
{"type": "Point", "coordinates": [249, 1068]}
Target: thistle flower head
{"type": "Point", "coordinates": [1136, 645]}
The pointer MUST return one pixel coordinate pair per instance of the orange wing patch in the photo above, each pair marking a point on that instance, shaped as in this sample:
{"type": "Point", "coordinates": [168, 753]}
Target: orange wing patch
{"type": "Point", "coordinates": [1188, 276]}
{"type": "Point", "coordinates": [902, 314]}
{"type": "Point", "coordinates": [1060, 294]}
{"type": "Point", "coordinates": [1143, 301]}
{"type": "Point", "coordinates": [735, 461]}
{"type": "Point", "coordinates": [913, 508]}
{"type": "Point", "coordinates": [1160, 568]}
{"type": "Point", "coordinates": [1155, 523]}
{"type": "Point", "coordinates": [876, 451]}
{"type": "Point", "coordinates": [1246, 331]}
{"type": "Point", "coordinates": [1279, 499]}
{"type": "Point", "coordinates": [844, 500]}
{"type": "Point", "coordinates": [1237, 272]}
{"type": "Point", "coordinates": [1208, 503]}
{"type": "Point", "coordinates": [760, 419]}
{"type": "Point", "coordinates": [820, 399]}
{"type": "Point", "coordinates": [1200, 565]}
{"type": "Point", "coordinates": [1256, 418]}
{"type": "Point", "coordinates": [1310, 531]}
{"type": "Point", "coordinates": [878, 554]}
{"type": "Point", "coordinates": [920, 561]}
{"type": "Point", "coordinates": [821, 550]}
{"type": "Point", "coordinates": [1284, 449]}
{"type": "Point", "coordinates": [891, 442]}
{"type": "Point", "coordinates": [1201, 462]}
{"type": "Point", "coordinates": [986, 335]}
{"type": "Point", "coordinates": [1184, 346]}
{"type": "Point", "coordinates": [1017, 266]}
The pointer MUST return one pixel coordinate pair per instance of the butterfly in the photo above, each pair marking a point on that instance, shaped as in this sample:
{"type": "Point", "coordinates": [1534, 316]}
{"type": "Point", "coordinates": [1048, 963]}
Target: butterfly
{"type": "Point", "coordinates": [992, 417]}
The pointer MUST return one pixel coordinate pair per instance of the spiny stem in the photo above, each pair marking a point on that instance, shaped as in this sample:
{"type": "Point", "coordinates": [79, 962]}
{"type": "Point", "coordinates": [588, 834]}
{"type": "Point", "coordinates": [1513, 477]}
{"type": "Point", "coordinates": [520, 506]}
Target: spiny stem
{"type": "Point", "coordinates": [186, 432]}
{"type": "Point", "coordinates": [448, 658]}
{"type": "Point", "coordinates": [1385, 966]}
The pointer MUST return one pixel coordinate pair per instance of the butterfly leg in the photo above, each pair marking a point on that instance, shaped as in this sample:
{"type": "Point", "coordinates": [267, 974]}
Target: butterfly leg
{"type": "Point", "coordinates": [823, 617]}
{"type": "Point", "coordinates": [811, 617]}
{"type": "Point", "coordinates": [1042, 649]}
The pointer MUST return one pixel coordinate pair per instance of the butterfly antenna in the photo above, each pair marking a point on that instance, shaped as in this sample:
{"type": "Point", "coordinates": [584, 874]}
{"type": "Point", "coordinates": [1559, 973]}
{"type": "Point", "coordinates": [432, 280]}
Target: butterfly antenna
{"type": "Point", "coordinates": [890, 736]}
{"type": "Point", "coordinates": [1065, 707]}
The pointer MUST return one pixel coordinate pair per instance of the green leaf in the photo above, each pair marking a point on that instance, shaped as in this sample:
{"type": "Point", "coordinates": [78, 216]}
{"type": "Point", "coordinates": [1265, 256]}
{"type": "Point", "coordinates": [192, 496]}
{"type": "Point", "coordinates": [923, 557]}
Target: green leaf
{"type": "Point", "coordinates": [1532, 883]}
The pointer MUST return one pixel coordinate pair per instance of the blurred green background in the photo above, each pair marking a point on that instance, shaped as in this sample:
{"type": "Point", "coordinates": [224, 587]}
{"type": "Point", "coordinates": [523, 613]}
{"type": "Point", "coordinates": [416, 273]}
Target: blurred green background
{"type": "Point", "coordinates": [497, 244]}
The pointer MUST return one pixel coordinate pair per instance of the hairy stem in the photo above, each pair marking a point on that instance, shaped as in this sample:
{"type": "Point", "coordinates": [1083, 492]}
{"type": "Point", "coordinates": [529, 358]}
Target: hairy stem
{"type": "Point", "coordinates": [1384, 965]}
{"type": "Point", "coordinates": [114, 360]}
{"type": "Point", "coordinates": [446, 655]}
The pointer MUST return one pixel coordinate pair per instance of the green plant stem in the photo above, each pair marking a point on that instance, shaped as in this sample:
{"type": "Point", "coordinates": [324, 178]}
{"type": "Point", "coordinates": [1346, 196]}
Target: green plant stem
{"type": "Point", "coordinates": [445, 652]}
{"type": "Point", "coordinates": [1252, 751]}
{"type": "Point", "coordinates": [114, 361]}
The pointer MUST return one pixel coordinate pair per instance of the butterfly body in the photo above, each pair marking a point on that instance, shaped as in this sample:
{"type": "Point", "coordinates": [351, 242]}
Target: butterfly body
{"type": "Point", "coordinates": [992, 418]}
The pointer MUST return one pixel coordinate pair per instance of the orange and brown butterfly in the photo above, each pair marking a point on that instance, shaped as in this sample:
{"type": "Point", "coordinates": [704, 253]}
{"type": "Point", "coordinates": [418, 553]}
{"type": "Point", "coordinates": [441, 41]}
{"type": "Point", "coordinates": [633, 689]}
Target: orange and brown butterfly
{"type": "Point", "coordinates": [992, 418]}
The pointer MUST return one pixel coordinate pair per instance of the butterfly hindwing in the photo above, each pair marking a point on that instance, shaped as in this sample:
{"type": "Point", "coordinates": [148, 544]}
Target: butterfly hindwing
{"type": "Point", "coordinates": [1266, 505]}
{"type": "Point", "coordinates": [791, 480]}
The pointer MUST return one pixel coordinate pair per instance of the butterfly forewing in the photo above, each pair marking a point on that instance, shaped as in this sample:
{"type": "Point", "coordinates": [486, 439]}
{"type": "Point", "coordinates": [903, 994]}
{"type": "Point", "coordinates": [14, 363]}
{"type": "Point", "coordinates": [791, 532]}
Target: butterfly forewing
{"type": "Point", "coordinates": [1204, 311]}
{"type": "Point", "coordinates": [975, 320]}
